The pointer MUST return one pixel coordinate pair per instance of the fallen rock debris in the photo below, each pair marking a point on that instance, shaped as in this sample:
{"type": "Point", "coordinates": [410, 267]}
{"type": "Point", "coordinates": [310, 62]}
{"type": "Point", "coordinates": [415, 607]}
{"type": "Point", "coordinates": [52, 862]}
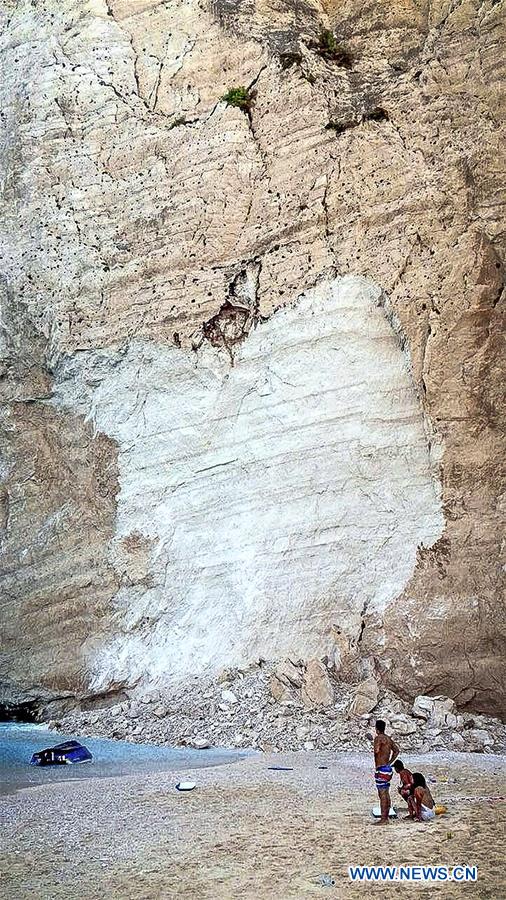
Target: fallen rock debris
{"type": "Point", "coordinates": [292, 705]}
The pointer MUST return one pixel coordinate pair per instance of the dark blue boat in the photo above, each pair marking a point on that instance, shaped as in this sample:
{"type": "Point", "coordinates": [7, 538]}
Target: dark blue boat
{"type": "Point", "coordinates": [62, 754]}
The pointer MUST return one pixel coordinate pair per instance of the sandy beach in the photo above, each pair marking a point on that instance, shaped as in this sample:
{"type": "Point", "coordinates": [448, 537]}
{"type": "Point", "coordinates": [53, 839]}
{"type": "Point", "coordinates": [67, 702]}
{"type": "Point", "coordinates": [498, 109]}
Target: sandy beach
{"type": "Point", "coordinates": [249, 832]}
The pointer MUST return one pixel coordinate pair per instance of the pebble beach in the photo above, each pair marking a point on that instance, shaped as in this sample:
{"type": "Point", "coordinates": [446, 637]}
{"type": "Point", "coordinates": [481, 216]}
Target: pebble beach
{"type": "Point", "coordinates": [249, 832]}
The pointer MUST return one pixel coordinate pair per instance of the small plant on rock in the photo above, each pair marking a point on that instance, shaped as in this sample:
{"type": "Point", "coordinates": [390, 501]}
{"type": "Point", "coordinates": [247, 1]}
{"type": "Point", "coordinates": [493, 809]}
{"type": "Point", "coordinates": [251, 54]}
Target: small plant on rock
{"type": "Point", "coordinates": [329, 48]}
{"type": "Point", "coordinates": [328, 43]}
{"type": "Point", "coordinates": [240, 97]}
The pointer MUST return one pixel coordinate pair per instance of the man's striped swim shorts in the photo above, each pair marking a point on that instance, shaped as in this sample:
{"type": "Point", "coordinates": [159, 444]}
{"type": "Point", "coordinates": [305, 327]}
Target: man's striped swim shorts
{"type": "Point", "coordinates": [383, 777]}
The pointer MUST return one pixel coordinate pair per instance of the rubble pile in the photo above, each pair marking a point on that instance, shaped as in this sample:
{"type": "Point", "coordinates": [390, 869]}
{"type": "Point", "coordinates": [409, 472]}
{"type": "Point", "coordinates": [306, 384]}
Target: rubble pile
{"type": "Point", "coordinates": [294, 705]}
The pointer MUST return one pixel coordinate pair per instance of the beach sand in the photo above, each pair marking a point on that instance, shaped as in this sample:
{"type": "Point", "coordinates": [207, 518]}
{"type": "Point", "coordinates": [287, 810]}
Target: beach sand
{"type": "Point", "coordinates": [248, 832]}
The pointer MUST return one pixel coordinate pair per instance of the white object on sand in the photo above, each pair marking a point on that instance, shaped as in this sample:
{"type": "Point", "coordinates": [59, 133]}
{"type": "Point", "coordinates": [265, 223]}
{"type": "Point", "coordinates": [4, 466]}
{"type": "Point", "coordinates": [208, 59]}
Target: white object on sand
{"type": "Point", "coordinates": [376, 812]}
{"type": "Point", "coordinates": [185, 786]}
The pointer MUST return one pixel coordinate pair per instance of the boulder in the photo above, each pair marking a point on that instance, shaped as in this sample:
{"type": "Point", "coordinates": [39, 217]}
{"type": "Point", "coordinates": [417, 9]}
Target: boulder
{"type": "Point", "coordinates": [289, 673]}
{"type": "Point", "coordinates": [302, 731]}
{"type": "Point", "coordinates": [449, 720]}
{"type": "Point", "coordinates": [280, 690]}
{"type": "Point", "coordinates": [479, 740]}
{"type": "Point", "coordinates": [151, 696]}
{"type": "Point", "coordinates": [432, 733]}
{"type": "Point", "coordinates": [267, 747]}
{"type": "Point", "coordinates": [458, 742]}
{"type": "Point", "coordinates": [317, 689]}
{"type": "Point", "coordinates": [422, 707]}
{"type": "Point", "coordinates": [442, 713]}
{"type": "Point", "coordinates": [201, 743]}
{"type": "Point", "coordinates": [285, 681]}
{"type": "Point", "coordinates": [366, 697]}
{"type": "Point", "coordinates": [160, 711]}
{"type": "Point", "coordinates": [438, 710]}
{"type": "Point", "coordinates": [403, 725]}
{"type": "Point", "coordinates": [229, 697]}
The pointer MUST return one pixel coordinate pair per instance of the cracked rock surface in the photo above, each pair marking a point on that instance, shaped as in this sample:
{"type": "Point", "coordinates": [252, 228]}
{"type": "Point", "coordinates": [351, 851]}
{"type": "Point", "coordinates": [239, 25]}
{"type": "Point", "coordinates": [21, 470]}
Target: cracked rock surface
{"type": "Point", "coordinates": [155, 238]}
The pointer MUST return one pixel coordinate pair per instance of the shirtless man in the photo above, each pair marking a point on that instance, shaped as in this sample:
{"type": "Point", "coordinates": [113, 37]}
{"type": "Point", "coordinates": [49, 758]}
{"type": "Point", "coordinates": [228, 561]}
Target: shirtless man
{"type": "Point", "coordinates": [385, 752]}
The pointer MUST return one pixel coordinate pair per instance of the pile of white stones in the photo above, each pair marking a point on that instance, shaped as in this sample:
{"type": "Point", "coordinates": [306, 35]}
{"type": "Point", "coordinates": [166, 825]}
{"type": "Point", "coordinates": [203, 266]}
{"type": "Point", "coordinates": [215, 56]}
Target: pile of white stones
{"type": "Point", "coordinates": [294, 705]}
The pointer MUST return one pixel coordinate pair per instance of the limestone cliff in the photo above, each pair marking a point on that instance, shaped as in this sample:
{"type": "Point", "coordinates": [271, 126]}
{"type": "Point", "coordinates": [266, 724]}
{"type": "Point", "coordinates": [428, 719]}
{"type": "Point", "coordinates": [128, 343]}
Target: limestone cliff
{"type": "Point", "coordinates": [252, 349]}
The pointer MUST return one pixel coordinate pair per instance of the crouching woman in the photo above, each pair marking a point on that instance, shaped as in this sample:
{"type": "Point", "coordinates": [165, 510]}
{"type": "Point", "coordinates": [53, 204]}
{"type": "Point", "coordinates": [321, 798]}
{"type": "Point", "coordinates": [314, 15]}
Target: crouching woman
{"type": "Point", "coordinates": [422, 804]}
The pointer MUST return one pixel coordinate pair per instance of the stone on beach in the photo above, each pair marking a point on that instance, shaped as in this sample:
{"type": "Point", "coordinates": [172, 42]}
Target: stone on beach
{"type": "Point", "coordinates": [279, 689]}
{"type": "Point", "coordinates": [479, 739]}
{"type": "Point", "coordinates": [201, 743]}
{"type": "Point", "coordinates": [289, 673]}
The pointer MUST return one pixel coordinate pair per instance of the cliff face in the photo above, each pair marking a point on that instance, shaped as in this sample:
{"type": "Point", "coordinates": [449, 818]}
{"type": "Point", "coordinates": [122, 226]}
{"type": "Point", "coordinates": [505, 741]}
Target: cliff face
{"type": "Point", "coordinates": [252, 358]}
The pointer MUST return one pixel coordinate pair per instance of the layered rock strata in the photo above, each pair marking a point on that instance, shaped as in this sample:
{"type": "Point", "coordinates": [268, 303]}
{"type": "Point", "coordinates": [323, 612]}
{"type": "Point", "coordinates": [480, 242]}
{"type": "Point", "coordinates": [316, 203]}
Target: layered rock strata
{"type": "Point", "coordinates": [263, 501]}
{"type": "Point", "coordinates": [161, 249]}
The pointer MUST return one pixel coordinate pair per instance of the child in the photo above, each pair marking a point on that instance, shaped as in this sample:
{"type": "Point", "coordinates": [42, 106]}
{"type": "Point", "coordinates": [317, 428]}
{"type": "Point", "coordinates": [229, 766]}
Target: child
{"type": "Point", "coordinates": [405, 784]}
{"type": "Point", "coordinates": [423, 801]}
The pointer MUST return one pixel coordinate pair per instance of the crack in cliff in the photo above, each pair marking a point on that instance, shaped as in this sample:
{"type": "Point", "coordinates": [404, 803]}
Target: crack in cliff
{"type": "Point", "coordinates": [363, 626]}
{"type": "Point", "coordinates": [186, 51]}
{"type": "Point", "coordinates": [249, 115]}
{"type": "Point", "coordinates": [41, 399]}
{"type": "Point", "coordinates": [326, 209]}
{"type": "Point", "coordinates": [135, 60]}
{"type": "Point", "coordinates": [4, 510]}
{"type": "Point", "coordinates": [157, 87]}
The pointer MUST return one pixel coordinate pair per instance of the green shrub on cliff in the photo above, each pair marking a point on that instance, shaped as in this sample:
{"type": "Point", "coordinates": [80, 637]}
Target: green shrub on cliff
{"type": "Point", "coordinates": [330, 49]}
{"type": "Point", "coordinates": [328, 41]}
{"type": "Point", "coordinates": [238, 96]}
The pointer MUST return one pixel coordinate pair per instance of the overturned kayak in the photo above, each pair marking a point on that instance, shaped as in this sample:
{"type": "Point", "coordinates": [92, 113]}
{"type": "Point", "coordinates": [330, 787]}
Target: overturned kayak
{"type": "Point", "coordinates": [68, 753]}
